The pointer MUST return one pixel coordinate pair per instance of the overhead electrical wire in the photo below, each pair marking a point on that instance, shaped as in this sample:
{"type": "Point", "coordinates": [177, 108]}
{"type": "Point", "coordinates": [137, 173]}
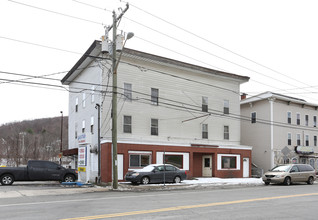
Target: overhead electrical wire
{"type": "Point", "coordinates": [154, 30]}
{"type": "Point", "coordinates": [215, 44]}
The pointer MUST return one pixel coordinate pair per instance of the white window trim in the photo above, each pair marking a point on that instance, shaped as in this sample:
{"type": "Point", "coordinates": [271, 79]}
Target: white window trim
{"type": "Point", "coordinates": [238, 161]}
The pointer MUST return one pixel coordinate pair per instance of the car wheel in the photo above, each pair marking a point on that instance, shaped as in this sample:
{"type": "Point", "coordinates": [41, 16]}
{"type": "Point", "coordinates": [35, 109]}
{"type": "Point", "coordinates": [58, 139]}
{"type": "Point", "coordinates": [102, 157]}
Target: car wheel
{"type": "Point", "coordinates": [69, 178]}
{"type": "Point", "coordinates": [145, 180]}
{"type": "Point", "coordinates": [267, 183]}
{"type": "Point", "coordinates": [310, 180]}
{"type": "Point", "coordinates": [7, 179]}
{"type": "Point", "coordinates": [287, 181]}
{"type": "Point", "coordinates": [177, 179]}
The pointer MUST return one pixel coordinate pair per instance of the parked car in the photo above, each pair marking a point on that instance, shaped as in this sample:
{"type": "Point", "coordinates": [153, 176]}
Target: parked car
{"type": "Point", "coordinates": [37, 170]}
{"type": "Point", "coordinates": [156, 173]}
{"type": "Point", "coordinates": [290, 173]}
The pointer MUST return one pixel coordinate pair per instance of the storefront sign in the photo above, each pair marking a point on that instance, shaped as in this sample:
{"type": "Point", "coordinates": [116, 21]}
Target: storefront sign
{"type": "Point", "coordinates": [304, 150]}
{"type": "Point", "coordinates": [84, 138]}
{"type": "Point", "coordinates": [82, 156]}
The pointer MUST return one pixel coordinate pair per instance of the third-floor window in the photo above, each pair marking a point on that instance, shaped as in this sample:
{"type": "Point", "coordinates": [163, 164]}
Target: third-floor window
{"type": "Point", "coordinates": [154, 96]}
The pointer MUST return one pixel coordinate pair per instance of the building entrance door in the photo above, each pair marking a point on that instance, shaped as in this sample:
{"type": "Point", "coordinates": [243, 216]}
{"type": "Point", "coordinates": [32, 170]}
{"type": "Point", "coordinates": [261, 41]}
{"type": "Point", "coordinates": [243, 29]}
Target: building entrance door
{"type": "Point", "coordinates": [246, 167]}
{"type": "Point", "coordinates": [207, 165]}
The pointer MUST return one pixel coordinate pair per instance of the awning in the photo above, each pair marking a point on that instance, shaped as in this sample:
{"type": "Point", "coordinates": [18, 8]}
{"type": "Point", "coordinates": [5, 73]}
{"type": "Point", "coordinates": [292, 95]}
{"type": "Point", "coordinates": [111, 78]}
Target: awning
{"type": "Point", "coordinates": [70, 152]}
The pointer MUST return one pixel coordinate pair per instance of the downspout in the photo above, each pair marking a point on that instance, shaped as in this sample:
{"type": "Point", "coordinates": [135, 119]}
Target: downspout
{"type": "Point", "coordinates": [271, 101]}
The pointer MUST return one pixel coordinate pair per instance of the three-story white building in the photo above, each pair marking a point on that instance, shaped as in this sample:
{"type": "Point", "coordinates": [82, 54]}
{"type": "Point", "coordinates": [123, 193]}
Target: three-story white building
{"type": "Point", "coordinates": [169, 109]}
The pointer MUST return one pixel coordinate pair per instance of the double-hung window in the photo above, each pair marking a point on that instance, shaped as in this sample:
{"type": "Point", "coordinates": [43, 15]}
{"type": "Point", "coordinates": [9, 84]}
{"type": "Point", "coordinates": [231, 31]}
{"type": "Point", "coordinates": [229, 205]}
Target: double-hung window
{"type": "Point", "coordinates": [205, 106]}
{"type": "Point", "coordinates": [315, 121]}
{"type": "Point", "coordinates": [92, 124]}
{"type": "Point", "coordinates": [307, 139]}
{"type": "Point", "coordinates": [226, 133]}
{"type": "Point", "coordinates": [289, 139]}
{"type": "Point", "coordinates": [289, 117]}
{"type": "Point", "coordinates": [205, 131]}
{"type": "Point", "coordinates": [76, 104]}
{"type": "Point", "coordinates": [154, 127]}
{"type": "Point", "coordinates": [315, 141]}
{"type": "Point", "coordinates": [298, 119]}
{"type": "Point", "coordinates": [253, 117]}
{"type": "Point", "coordinates": [307, 120]}
{"type": "Point", "coordinates": [128, 91]}
{"type": "Point", "coordinates": [298, 139]}
{"type": "Point", "coordinates": [154, 96]}
{"type": "Point", "coordinates": [226, 108]}
{"type": "Point", "coordinates": [83, 126]}
{"type": "Point", "coordinates": [127, 124]}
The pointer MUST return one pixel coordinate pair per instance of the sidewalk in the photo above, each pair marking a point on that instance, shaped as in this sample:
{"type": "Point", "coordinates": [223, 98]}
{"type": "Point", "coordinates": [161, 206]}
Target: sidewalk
{"type": "Point", "coordinates": [25, 189]}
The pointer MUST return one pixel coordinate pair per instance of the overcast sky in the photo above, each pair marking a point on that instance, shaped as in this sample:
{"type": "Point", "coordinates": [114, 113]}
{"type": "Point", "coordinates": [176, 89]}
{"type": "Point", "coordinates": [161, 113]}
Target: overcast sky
{"type": "Point", "coordinates": [273, 42]}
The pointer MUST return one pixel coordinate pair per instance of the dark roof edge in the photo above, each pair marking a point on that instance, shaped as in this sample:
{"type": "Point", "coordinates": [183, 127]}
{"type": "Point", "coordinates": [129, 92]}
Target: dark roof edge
{"type": "Point", "coordinates": [80, 61]}
{"type": "Point", "coordinates": [156, 58]}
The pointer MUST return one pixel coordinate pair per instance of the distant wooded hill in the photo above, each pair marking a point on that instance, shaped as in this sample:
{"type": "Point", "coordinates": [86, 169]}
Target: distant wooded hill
{"type": "Point", "coordinates": [32, 139]}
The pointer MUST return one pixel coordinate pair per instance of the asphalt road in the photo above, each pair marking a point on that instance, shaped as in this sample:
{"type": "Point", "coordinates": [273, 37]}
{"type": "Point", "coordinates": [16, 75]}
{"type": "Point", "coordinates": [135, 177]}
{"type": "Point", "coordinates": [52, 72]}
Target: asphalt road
{"type": "Point", "coordinates": [256, 202]}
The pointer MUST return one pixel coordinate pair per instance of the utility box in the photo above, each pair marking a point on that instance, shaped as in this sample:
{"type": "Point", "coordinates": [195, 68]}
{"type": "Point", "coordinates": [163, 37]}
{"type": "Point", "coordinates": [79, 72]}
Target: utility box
{"type": "Point", "coordinates": [105, 45]}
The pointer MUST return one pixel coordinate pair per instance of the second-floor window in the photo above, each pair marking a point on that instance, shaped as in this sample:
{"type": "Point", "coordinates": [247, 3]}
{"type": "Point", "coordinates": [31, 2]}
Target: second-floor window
{"type": "Point", "coordinates": [205, 134]}
{"type": "Point", "coordinates": [128, 91]}
{"type": "Point", "coordinates": [154, 127]}
{"type": "Point", "coordinates": [226, 108]}
{"type": "Point", "coordinates": [83, 126]}
{"type": "Point", "coordinates": [315, 121]}
{"type": "Point", "coordinates": [298, 119]}
{"type": "Point", "coordinates": [205, 106]}
{"type": "Point", "coordinates": [298, 139]}
{"type": "Point", "coordinates": [289, 118]}
{"type": "Point", "coordinates": [92, 124]}
{"type": "Point", "coordinates": [315, 141]}
{"type": "Point", "coordinates": [76, 104]}
{"type": "Point", "coordinates": [127, 124]}
{"type": "Point", "coordinates": [154, 96]}
{"type": "Point", "coordinates": [307, 139]}
{"type": "Point", "coordinates": [253, 117]}
{"type": "Point", "coordinates": [289, 141]}
{"type": "Point", "coordinates": [307, 120]}
{"type": "Point", "coordinates": [226, 133]}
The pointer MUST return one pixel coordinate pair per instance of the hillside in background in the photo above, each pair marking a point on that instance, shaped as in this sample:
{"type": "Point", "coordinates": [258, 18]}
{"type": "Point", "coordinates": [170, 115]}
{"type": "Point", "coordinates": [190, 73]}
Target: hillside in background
{"type": "Point", "coordinates": [32, 139]}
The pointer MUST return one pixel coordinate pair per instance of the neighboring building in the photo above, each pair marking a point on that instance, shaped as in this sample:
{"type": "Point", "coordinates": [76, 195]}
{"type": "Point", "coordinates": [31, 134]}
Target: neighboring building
{"type": "Point", "coordinates": [281, 129]}
{"type": "Point", "coordinates": [186, 112]}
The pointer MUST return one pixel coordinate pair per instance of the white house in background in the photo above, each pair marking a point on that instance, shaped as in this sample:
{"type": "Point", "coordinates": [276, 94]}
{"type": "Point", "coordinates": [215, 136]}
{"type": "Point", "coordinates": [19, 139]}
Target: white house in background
{"type": "Point", "coordinates": [168, 110]}
{"type": "Point", "coordinates": [281, 129]}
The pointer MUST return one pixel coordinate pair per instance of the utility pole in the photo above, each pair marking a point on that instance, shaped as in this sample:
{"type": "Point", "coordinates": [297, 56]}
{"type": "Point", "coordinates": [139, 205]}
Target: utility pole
{"type": "Point", "coordinates": [61, 138]}
{"type": "Point", "coordinates": [114, 97]}
{"type": "Point", "coordinates": [99, 148]}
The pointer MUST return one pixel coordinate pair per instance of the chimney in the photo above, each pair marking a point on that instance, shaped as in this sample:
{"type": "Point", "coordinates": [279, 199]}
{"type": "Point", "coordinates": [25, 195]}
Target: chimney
{"type": "Point", "coordinates": [243, 96]}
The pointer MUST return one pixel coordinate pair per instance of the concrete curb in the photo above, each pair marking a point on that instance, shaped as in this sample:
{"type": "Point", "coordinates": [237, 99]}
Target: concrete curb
{"type": "Point", "coordinates": [68, 190]}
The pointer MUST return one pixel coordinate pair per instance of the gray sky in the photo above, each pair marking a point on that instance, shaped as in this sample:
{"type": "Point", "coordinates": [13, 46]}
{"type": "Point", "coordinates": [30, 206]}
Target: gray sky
{"type": "Point", "coordinates": [273, 42]}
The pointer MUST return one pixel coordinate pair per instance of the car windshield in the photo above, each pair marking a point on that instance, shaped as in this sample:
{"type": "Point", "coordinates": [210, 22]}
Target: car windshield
{"type": "Point", "coordinates": [283, 168]}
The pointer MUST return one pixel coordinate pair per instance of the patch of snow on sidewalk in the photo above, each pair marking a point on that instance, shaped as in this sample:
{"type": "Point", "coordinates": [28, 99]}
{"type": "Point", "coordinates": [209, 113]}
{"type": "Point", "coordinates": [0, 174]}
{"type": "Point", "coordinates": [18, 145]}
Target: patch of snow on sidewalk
{"type": "Point", "coordinates": [219, 181]}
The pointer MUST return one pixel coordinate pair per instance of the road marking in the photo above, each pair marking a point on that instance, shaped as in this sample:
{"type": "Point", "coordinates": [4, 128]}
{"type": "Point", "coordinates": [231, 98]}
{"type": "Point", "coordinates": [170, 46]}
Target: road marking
{"type": "Point", "coordinates": [188, 207]}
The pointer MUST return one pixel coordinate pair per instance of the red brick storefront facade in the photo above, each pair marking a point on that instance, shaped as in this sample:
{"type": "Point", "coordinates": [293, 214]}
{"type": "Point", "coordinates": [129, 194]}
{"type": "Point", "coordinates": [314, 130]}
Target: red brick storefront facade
{"type": "Point", "coordinates": [195, 152]}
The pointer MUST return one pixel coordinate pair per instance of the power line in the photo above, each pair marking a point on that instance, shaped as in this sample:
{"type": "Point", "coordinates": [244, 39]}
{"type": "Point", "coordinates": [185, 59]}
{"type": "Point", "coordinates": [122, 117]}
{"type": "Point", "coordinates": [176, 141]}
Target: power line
{"type": "Point", "coordinates": [54, 12]}
{"type": "Point", "coordinates": [215, 44]}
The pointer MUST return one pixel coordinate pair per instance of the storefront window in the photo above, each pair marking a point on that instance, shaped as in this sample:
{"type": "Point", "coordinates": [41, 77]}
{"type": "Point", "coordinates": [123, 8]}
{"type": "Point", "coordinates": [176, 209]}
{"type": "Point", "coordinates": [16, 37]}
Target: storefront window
{"type": "Point", "coordinates": [139, 160]}
{"type": "Point", "coordinates": [228, 162]}
{"type": "Point", "coordinates": [176, 160]}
